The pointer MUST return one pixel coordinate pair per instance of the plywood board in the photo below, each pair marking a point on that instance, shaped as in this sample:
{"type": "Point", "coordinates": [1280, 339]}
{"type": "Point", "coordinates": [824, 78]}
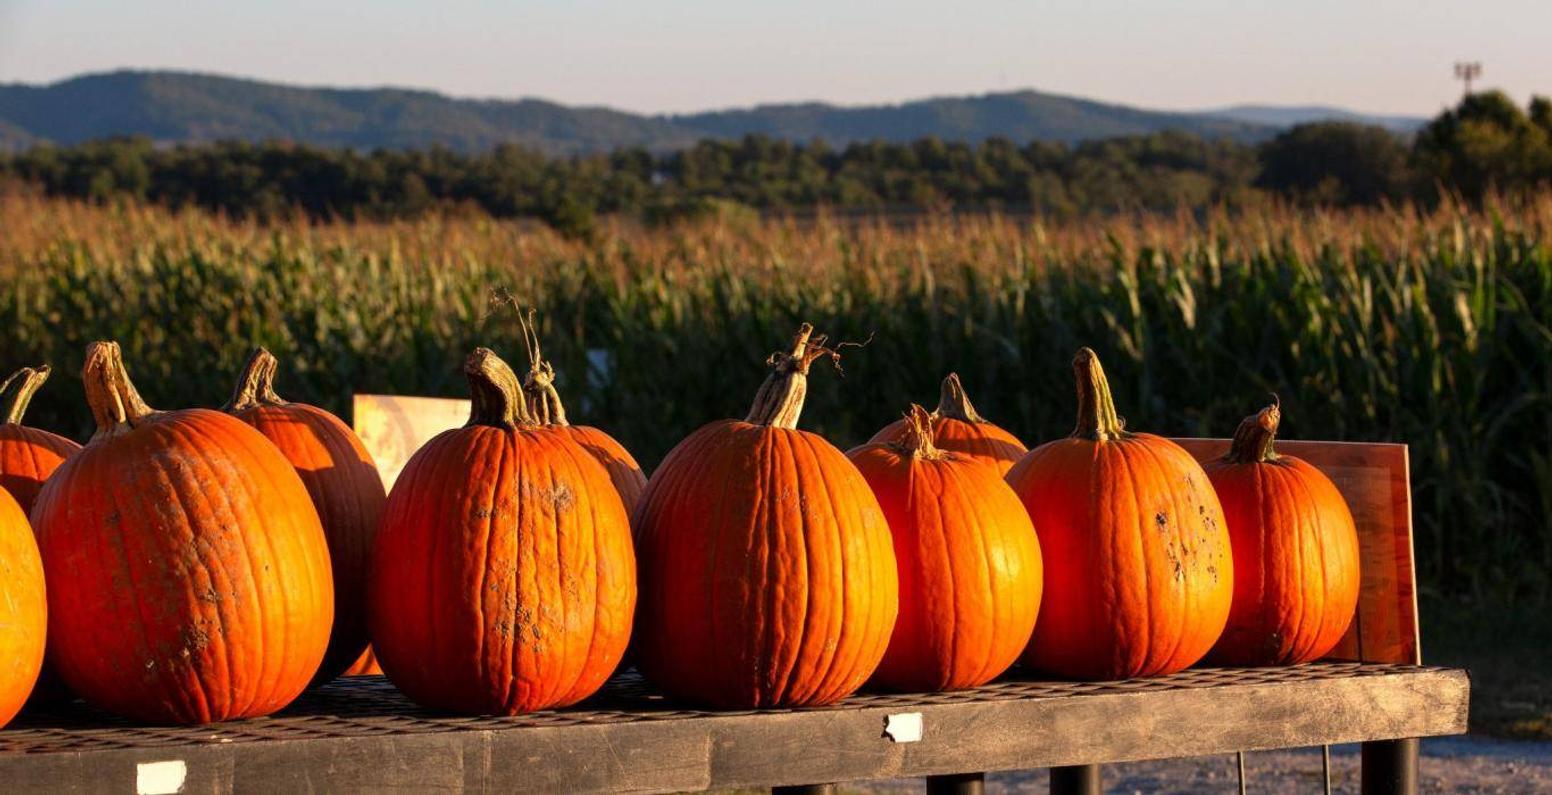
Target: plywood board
{"type": "Point", "coordinates": [393, 427]}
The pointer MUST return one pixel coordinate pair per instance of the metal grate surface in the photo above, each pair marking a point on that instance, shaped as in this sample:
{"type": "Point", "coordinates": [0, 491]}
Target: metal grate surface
{"type": "Point", "coordinates": [370, 706]}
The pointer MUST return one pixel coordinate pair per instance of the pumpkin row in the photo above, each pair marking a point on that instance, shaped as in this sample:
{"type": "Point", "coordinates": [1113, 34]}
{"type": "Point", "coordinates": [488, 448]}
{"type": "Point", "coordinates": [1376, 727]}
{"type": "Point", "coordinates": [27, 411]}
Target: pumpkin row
{"type": "Point", "coordinates": [209, 565]}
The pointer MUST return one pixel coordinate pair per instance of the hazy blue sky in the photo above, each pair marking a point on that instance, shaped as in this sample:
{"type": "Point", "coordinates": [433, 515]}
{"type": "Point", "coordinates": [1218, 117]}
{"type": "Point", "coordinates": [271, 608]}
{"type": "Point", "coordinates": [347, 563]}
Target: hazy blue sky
{"type": "Point", "coordinates": [1389, 55]}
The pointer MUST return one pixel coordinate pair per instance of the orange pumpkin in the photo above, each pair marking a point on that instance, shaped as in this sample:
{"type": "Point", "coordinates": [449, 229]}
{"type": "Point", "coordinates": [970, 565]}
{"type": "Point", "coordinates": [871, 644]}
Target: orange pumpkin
{"type": "Point", "coordinates": [968, 559]}
{"type": "Point", "coordinates": [188, 576]}
{"type": "Point", "coordinates": [342, 481]}
{"type": "Point", "coordinates": [767, 571]}
{"type": "Point", "coordinates": [23, 609]}
{"type": "Point", "coordinates": [365, 665]}
{"type": "Point", "coordinates": [544, 402]}
{"type": "Point", "coordinates": [503, 578]}
{"type": "Point", "coordinates": [1295, 552]}
{"type": "Point", "coordinates": [957, 428]}
{"type": "Point", "coordinates": [1138, 571]}
{"type": "Point", "coordinates": [27, 455]}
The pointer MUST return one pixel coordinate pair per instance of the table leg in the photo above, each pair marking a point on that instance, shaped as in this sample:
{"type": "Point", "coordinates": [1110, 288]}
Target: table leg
{"type": "Point", "coordinates": [957, 784]}
{"type": "Point", "coordinates": [1075, 780]}
{"type": "Point", "coordinates": [1390, 767]}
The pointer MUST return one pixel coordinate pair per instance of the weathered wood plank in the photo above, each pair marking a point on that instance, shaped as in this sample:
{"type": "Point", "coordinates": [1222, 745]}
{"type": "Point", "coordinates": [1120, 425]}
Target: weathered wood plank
{"type": "Point", "coordinates": [364, 737]}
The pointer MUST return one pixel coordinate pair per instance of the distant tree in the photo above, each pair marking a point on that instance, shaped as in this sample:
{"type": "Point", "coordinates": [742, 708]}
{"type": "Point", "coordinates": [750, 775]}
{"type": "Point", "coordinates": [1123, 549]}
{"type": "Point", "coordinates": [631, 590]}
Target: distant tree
{"type": "Point", "coordinates": [1335, 163]}
{"type": "Point", "coordinates": [1487, 142]}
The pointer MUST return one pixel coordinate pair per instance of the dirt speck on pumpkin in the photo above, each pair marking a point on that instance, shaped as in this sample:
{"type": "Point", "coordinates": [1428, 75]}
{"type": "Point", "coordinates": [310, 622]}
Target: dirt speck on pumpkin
{"type": "Point", "coordinates": [1161, 520]}
{"type": "Point", "coordinates": [561, 496]}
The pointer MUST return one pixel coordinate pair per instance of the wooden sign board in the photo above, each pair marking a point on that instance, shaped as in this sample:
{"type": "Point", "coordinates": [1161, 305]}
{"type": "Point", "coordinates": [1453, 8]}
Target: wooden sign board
{"type": "Point", "coordinates": [393, 427]}
{"type": "Point", "coordinates": [1373, 478]}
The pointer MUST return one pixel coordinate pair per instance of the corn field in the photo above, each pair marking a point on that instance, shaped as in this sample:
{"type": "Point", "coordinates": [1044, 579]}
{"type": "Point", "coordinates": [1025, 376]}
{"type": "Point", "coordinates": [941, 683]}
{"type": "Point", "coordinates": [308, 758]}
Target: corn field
{"type": "Point", "coordinates": [1430, 328]}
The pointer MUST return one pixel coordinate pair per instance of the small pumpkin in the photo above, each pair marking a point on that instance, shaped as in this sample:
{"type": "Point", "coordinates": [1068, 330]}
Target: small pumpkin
{"type": "Point", "coordinates": [188, 576]}
{"type": "Point", "coordinates": [365, 665]}
{"type": "Point", "coordinates": [27, 455]}
{"type": "Point", "coordinates": [968, 560]}
{"type": "Point", "coordinates": [767, 570]}
{"type": "Point", "coordinates": [957, 428]}
{"type": "Point", "coordinates": [344, 485]}
{"type": "Point", "coordinates": [544, 402]}
{"type": "Point", "coordinates": [1295, 551]}
{"type": "Point", "coordinates": [1138, 571]}
{"type": "Point", "coordinates": [23, 609]}
{"type": "Point", "coordinates": [503, 578]}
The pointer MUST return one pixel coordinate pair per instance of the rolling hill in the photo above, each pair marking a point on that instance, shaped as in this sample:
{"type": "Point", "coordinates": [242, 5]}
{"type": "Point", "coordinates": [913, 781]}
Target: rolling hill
{"type": "Point", "coordinates": [178, 107]}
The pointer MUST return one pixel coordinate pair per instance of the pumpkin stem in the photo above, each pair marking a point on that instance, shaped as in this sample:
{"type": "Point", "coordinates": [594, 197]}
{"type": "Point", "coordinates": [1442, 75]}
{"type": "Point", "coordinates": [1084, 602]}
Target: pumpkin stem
{"type": "Point", "coordinates": [116, 404]}
{"type": "Point", "coordinates": [780, 399]}
{"type": "Point", "coordinates": [17, 391]}
{"type": "Point", "coordinates": [539, 384]}
{"type": "Point", "coordinates": [916, 442]}
{"type": "Point", "coordinates": [1253, 438]}
{"type": "Point", "coordinates": [256, 383]}
{"type": "Point", "coordinates": [954, 404]}
{"type": "Point", "coordinates": [1097, 418]}
{"type": "Point", "coordinates": [495, 394]}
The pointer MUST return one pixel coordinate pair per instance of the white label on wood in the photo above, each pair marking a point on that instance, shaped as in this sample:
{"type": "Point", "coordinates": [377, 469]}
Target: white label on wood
{"type": "Point", "coordinates": [160, 778]}
{"type": "Point", "coordinates": [903, 727]}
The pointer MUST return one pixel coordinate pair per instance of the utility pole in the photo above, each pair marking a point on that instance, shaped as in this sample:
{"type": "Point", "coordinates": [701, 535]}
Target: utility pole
{"type": "Point", "coordinates": [1468, 71]}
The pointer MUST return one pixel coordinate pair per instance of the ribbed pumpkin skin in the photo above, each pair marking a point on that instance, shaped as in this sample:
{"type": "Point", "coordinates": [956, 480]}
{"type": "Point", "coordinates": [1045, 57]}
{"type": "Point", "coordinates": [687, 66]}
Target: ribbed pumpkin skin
{"type": "Point", "coordinates": [623, 470]}
{"type": "Point", "coordinates": [768, 577]}
{"type": "Point", "coordinates": [1138, 570]}
{"type": "Point", "coordinates": [969, 566]}
{"type": "Point", "coordinates": [188, 573]}
{"type": "Point", "coordinates": [23, 609]}
{"type": "Point", "coordinates": [1138, 574]}
{"type": "Point", "coordinates": [27, 457]}
{"type": "Point", "coordinates": [342, 481]}
{"type": "Point", "coordinates": [503, 579]}
{"type": "Point", "coordinates": [981, 440]}
{"type": "Point", "coordinates": [1296, 570]}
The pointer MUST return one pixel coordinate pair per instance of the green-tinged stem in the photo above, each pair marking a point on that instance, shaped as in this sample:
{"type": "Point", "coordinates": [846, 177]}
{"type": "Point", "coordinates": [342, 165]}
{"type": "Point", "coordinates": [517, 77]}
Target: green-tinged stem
{"type": "Point", "coordinates": [953, 403]}
{"type": "Point", "coordinates": [256, 383]}
{"type": "Point", "coordinates": [17, 391]}
{"type": "Point", "coordinates": [916, 441]}
{"type": "Point", "coordinates": [1255, 434]}
{"type": "Point", "coordinates": [116, 404]}
{"type": "Point", "coordinates": [539, 384]}
{"type": "Point", "coordinates": [780, 399]}
{"type": "Point", "coordinates": [495, 394]}
{"type": "Point", "coordinates": [1097, 418]}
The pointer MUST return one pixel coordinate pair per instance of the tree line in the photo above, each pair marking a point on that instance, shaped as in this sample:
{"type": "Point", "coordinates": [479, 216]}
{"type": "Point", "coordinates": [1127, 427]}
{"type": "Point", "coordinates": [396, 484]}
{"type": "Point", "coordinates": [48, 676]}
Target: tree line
{"type": "Point", "coordinates": [1484, 144]}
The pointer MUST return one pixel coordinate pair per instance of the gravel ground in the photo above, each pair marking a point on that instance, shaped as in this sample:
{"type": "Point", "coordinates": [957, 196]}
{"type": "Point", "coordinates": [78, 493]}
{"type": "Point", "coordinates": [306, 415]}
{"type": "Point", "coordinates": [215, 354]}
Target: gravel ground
{"type": "Point", "coordinates": [1449, 764]}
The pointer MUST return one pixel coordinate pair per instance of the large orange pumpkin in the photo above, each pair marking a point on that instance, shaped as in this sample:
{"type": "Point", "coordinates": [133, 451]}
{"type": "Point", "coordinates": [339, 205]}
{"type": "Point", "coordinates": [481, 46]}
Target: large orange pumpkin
{"type": "Point", "coordinates": [957, 428]}
{"type": "Point", "coordinates": [544, 402]}
{"type": "Point", "coordinates": [968, 560]}
{"type": "Point", "coordinates": [342, 481]}
{"type": "Point", "coordinates": [23, 609]}
{"type": "Point", "coordinates": [1138, 572]}
{"type": "Point", "coordinates": [1295, 552]}
{"type": "Point", "coordinates": [768, 574]}
{"type": "Point", "coordinates": [27, 455]}
{"type": "Point", "coordinates": [503, 578]}
{"type": "Point", "coordinates": [188, 576]}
